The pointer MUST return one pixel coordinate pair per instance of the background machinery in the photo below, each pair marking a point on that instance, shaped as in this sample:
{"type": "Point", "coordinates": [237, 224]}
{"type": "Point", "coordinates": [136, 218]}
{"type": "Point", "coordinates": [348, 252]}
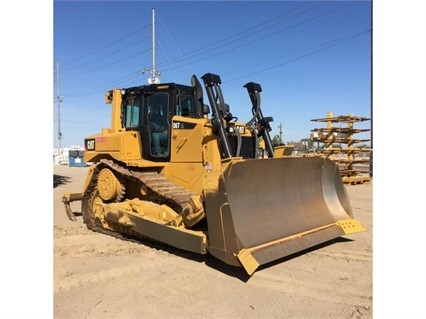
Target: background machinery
{"type": "Point", "coordinates": [196, 182]}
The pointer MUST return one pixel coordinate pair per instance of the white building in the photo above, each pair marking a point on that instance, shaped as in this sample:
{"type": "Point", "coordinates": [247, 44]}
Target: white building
{"type": "Point", "coordinates": [60, 155]}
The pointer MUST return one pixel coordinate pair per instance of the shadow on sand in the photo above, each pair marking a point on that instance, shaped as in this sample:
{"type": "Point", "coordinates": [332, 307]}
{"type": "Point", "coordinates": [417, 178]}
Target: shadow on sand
{"type": "Point", "coordinates": [60, 180]}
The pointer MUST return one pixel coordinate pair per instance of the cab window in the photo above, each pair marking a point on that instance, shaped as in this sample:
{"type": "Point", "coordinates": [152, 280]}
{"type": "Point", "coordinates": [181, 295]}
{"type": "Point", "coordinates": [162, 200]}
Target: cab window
{"type": "Point", "coordinates": [185, 105]}
{"type": "Point", "coordinates": [131, 113]}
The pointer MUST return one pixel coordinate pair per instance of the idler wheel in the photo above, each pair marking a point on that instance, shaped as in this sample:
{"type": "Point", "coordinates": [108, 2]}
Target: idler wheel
{"type": "Point", "coordinates": [110, 188]}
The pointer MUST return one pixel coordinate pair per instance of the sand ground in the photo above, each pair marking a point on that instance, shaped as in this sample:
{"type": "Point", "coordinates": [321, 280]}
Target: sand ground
{"type": "Point", "coordinates": [97, 276]}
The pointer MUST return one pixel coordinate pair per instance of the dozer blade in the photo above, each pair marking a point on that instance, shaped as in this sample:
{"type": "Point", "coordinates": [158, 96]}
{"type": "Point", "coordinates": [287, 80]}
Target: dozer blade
{"type": "Point", "coordinates": [262, 210]}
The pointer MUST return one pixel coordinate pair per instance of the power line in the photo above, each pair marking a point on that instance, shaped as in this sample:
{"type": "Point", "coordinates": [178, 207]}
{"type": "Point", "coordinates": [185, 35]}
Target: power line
{"type": "Point", "coordinates": [169, 39]}
{"type": "Point", "coordinates": [301, 57]}
{"type": "Point", "coordinates": [262, 38]}
{"type": "Point", "coordinates": [219, 44]}
{"type": "Point", "coordinates": [289, 55]}
{"type": "Point", "coordinates": [223, 42]}
{"type": "Point", "coordinates": [105, 86]}
{"type": "Point", "coordinates": [109, 64]}
{"type": "Point", "coordinates": [105, 56]}
{"type": "Point", "coordinates": [107, 45]}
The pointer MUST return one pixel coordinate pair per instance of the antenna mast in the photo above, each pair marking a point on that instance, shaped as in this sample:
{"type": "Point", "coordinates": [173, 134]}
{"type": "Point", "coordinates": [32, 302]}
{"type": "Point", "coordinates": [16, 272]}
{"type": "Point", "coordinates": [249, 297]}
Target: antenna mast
{"type": "Point", "coordinates": [155, 75]}
{"type": "Point", "coordinates": [58, 100]}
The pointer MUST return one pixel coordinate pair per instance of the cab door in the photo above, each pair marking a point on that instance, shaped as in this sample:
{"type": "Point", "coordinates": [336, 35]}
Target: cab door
{"type": "Point", "coordinates": [156, 129]}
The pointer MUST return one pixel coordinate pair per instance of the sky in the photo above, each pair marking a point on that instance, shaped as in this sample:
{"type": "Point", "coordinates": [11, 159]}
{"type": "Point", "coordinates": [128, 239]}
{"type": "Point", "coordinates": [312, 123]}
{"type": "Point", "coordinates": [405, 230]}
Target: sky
{"type": "Point", "coordinates": [297, 84]}
{"type": "Point", "coordinates": [310, 58]}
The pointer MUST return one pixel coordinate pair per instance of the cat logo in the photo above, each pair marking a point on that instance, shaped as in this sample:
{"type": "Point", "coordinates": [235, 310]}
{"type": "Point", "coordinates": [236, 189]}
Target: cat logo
{"type": "Point", "coordinates": [90, 145]}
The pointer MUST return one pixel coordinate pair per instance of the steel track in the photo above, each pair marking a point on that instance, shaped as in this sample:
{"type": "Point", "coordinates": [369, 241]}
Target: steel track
{"type": "Point", "coordinates": [161, 191]}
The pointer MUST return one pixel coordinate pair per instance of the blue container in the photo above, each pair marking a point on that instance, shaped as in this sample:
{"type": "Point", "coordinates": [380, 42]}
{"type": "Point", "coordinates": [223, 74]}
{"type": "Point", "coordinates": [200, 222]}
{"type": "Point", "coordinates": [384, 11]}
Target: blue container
{"type": "Point", "coordinates": [76, 159]}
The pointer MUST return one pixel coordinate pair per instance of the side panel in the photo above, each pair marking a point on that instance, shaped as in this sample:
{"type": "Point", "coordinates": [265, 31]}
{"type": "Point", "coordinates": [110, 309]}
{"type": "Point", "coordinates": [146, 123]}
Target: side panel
{"type": "Point", "coordinates": [187, 138]}
{"type": "Point", "coordinates": [131, 146]}
{"type": "Point", "coordinates": [122, 146]}
{"type": "Point", "coordinates": [187, 167]}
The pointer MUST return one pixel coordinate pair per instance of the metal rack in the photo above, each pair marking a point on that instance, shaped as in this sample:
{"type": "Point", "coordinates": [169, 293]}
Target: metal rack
{"type": "Point", "coordinates": [352, 167]}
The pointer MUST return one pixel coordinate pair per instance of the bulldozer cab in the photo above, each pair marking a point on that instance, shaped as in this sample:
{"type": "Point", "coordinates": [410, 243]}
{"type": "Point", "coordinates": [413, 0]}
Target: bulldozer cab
{"type": "Point", "coordinates": [150, 110]}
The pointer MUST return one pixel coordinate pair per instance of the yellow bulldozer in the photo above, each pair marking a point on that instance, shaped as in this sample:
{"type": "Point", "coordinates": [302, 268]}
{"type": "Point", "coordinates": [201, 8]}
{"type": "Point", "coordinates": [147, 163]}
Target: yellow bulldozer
{"type": "Point", "coordinates": [189, 175]}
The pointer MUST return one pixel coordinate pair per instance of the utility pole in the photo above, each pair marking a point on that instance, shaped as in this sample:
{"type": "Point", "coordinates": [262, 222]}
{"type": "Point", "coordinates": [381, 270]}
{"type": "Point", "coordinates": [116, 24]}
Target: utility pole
{"type": "Point", "coordinates": [281, 133]}
{"type": "Point", "coordinates": [58, 101]}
